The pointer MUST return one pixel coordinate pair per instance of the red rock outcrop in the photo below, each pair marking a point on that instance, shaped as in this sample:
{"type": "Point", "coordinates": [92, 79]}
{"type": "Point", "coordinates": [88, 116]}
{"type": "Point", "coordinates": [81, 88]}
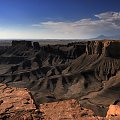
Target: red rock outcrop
{"type": "Point", "coordinates": [67, 110]}
{"type": "Point", "coordinates": [16, 103]}
{"type": "Point", "coordinates": [113, 112]}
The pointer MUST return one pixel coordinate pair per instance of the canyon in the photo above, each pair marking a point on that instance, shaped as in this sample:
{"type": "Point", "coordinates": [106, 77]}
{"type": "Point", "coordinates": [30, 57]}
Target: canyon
{"type": "Point", "coordinates": [36, 80]}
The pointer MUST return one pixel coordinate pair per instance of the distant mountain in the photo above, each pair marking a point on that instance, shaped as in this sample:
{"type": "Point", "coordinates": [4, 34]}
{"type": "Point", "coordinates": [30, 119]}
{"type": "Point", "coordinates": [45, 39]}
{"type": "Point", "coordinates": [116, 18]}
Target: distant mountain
{"type": "Point", "coordinates": [102, 37]}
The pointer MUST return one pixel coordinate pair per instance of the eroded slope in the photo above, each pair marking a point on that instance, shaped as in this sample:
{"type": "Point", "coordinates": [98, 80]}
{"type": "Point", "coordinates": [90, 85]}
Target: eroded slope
{"type": "Point", "coordinates": [82, 70]}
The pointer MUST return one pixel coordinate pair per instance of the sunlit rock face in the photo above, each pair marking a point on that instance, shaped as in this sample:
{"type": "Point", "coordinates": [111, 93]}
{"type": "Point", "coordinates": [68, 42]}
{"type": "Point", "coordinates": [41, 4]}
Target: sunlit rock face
{"type": "Point", "coordinates": [113, 112]}
{"type": "Point", "coordinates": [16, 103]}
{"type": "Point", "coordinates": [68, 109]}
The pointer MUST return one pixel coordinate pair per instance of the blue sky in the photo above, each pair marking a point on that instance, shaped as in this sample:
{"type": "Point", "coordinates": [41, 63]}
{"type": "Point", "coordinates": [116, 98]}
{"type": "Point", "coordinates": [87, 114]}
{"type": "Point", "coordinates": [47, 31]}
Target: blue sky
{"type": "Point", "coordinates": [39, 19]}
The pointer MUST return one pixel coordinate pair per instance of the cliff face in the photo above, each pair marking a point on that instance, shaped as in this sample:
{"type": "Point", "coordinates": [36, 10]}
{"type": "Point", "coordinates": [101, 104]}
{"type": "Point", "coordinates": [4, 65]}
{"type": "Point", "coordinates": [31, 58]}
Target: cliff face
{"type": "Point", "coordinates": [81, 70]}
{"type": "Point", "coordinates": [107, 48]}
{"type": "Point", "coordinates": [21, 43]}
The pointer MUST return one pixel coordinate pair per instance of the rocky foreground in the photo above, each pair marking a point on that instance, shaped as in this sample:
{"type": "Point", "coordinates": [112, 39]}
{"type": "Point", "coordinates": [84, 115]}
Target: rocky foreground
{"type": "Point", "coordinates": [17, 104]}
{"type": "Point", "coordinates": [83, 74]}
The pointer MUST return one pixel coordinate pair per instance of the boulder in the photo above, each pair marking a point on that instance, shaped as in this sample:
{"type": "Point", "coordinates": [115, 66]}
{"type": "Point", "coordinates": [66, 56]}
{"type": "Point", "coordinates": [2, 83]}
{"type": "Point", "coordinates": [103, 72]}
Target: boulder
{"type": "Point", "coordinates": [113, 112]}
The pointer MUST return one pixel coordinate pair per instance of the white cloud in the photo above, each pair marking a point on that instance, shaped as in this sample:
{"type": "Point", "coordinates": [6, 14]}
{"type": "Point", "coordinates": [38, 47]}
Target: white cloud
{"type": "Point", "coordinates": [105, 23]}
{"type": "Point", "coordinates": [112, 18]}
{"type": "Point", "coordinates": [109, 15]}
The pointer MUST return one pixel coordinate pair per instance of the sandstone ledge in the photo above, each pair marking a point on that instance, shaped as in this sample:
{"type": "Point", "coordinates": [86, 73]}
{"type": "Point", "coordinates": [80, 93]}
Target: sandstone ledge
{"type": "Point", "coordinates": [16, 104]}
